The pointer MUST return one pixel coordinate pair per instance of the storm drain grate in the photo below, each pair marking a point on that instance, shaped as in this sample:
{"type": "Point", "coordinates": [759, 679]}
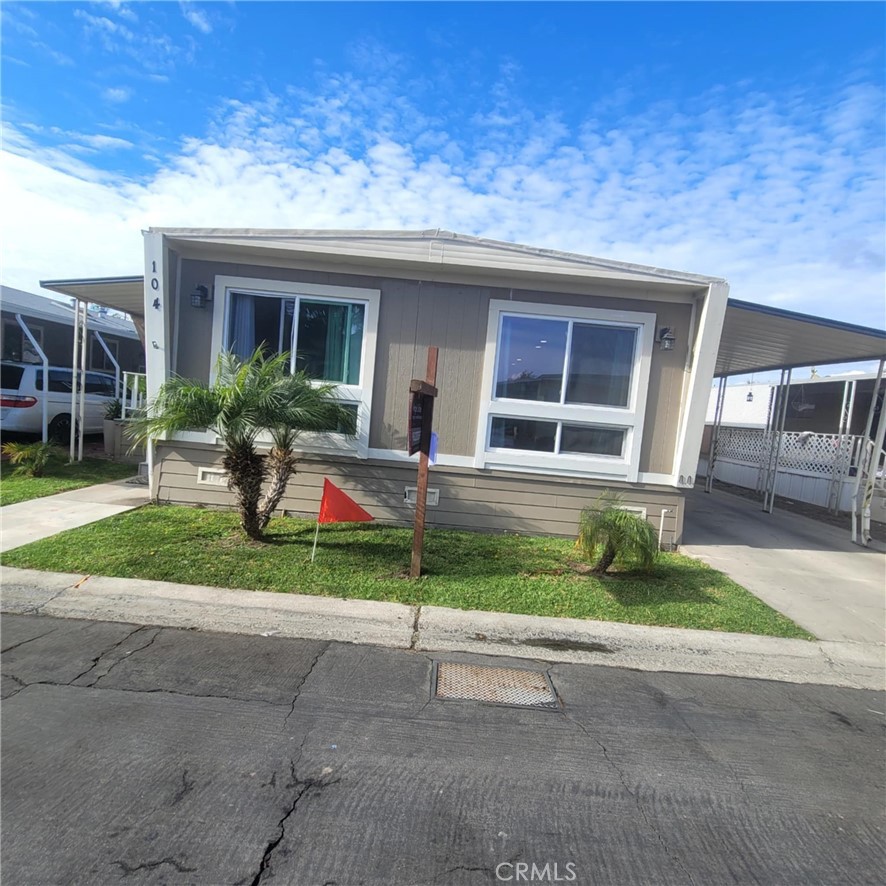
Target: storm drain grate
{"type": "Point", "coordinates": [511, 686]}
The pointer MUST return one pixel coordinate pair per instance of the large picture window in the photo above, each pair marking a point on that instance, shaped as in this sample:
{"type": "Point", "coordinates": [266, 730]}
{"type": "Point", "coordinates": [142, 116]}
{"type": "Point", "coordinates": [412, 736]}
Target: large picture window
{"type": "Point", "coordinates": [328, 332]}
{"type": "Point", "coordinates": [565, 389]}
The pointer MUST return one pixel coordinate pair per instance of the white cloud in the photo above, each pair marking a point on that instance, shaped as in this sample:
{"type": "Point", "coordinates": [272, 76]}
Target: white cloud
{"type": "Point", "coordinates": [196, 18]}
{"type": "Point", "coordinates": [780, 194]}
{"type": "Point", "coordinates": [105, 142]}
{"type": "Point", "coordinates": [117, 94]}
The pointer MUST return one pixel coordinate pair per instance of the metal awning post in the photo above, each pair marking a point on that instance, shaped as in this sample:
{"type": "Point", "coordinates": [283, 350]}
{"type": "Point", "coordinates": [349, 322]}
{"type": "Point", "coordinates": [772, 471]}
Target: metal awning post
{"type": "Point", "coordinates": [872, 479]}
{"type": "Point", "coordinates": [836, 480]}
{"type": "Point", "coordinates": [75, 350]}
{"type": "Point", "coordinates": [42, 355]}
{"type": "Point", "coordinates": [771, 425]}
{"type": "Point", "coordinates": [776, 442]}
{"type": "Point", "coordinates": [715, 433]}
{"type": "Point", "coordinates": [778, 448]}
{"type": "Point", "coordinates": [113, 359]}
{"type": "Point", "coordinates": [862, 457]}
{"type": "Point", "coordinates": [81, 422]}
{"type": "Point", "coordinates": [770, 413]}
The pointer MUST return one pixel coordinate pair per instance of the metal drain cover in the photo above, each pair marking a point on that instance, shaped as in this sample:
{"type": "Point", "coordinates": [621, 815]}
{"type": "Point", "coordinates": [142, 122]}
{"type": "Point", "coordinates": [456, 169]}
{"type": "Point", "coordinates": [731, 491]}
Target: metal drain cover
{"type": "Point", "coordinates": [510, 686]}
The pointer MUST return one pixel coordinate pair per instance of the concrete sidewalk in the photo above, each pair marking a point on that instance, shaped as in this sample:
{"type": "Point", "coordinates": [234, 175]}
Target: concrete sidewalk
{"type": "Point", "coordinates": [431, 628]}
{"type": "Point", "coordinates": [28, 521]}
{"type": "Point", "coordinates": [808, 570]}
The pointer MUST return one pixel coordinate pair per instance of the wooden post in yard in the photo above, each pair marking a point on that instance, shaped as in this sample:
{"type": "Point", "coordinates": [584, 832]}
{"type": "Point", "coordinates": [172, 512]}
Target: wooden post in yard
{"type": "Point", "coordinates": [421, 416]}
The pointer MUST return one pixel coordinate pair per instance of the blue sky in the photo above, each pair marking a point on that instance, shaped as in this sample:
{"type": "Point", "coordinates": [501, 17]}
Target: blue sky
{"type": "Point", "coordinates": [740, 140]}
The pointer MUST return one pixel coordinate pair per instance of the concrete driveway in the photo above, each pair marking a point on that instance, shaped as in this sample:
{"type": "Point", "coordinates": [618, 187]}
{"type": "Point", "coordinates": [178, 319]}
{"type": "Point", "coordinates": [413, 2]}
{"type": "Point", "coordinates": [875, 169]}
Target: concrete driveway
{"type": "Point", "coordinates": [808, 570]}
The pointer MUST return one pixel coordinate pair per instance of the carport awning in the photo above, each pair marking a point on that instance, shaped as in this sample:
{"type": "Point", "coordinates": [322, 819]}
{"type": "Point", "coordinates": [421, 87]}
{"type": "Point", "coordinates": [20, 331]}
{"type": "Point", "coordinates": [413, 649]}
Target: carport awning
{"type": "Point", "coordinates": [125, 294]}
{"type": "Point", "coordinates": [757, 338]}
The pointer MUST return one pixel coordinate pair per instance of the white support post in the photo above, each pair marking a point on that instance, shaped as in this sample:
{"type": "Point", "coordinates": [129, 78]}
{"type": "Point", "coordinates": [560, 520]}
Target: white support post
{"type": "Point", "coordinates": [862, 457]}
{"type": "Point", "coordinates": [156, 326]}
{"type": "Point", "coordinates": [771, 429]}
{"type": "Point", "coordinates": [75, 360]}
{"type": "Point", "coordinates": [770, 414]}
{"type": "Point", "coordinates": [836, 468]}
{"type": "Point", "coordinates": [703, 351]}
{"type": "Point", "coordinates": [43, 359]}
{"type": "Point", "coordinates": [780, 437]}
{"type": "Point", "coordinates": [715, 433]}
{"type": "Point", "coordinates": [113, 359]}
{"type": "Point", "coordinates": [873, 468]}
{"type": "Point", "coordinates": [81, 422]}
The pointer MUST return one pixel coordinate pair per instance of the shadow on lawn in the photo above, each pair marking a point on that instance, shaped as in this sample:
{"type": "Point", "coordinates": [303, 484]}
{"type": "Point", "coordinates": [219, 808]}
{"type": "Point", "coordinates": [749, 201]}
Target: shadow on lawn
{"type": "Point", "coordinates": [665, 584]}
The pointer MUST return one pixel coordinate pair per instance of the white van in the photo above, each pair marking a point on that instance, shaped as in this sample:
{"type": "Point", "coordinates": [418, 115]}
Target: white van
{"type": "Point", "coordinates": [21, 400]}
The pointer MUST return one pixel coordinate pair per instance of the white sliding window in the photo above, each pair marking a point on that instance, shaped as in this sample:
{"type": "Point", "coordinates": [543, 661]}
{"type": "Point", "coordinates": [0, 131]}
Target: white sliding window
{"type": "Point", "coordinates": [564, 389]}
{"type": "Point", "coordinates": [329, 333]}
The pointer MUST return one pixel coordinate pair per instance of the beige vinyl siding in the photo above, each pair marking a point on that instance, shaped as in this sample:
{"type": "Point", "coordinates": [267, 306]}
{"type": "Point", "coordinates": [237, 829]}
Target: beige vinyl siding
{"type": "Point", "coordinates": [452, 316]}
{"type": "Point", "coordinates": [469, 498]}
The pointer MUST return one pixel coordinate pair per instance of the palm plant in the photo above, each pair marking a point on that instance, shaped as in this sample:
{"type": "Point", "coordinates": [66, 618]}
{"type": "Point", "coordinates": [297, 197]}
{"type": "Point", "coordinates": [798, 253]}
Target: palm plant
{"type": "Point", "coordinates": [31, 458]}
{"type": "Point", "coordinates": [247, 398]}
{"type": "Point", "coordinates": [608, 532]}
{"type": "Point", "coordinates": [305, 406]}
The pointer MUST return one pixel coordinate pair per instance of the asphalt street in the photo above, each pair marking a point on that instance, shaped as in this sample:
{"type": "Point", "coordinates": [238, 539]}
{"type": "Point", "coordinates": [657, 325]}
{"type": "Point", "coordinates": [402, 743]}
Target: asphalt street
{"type": "Point", "coordinates": [139, 755]}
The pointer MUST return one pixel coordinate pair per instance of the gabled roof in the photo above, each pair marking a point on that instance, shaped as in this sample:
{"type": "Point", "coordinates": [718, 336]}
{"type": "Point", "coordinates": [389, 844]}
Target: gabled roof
{"type": "Point", "coordinates": [38, 307]}
{"type": "Point", "coordinates": [430, 248]}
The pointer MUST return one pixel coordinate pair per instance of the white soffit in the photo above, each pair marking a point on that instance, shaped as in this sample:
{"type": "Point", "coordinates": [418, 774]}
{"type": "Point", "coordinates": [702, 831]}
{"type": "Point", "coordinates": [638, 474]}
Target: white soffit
{"type": "Point", "coordinates": [125, 294]}
{"type": "Point", "coordinates": [758, 338]}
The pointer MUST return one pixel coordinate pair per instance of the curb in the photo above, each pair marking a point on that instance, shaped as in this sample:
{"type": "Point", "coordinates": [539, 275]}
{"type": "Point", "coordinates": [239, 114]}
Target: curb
{"type": "Point", "coordinates": [437, 629]}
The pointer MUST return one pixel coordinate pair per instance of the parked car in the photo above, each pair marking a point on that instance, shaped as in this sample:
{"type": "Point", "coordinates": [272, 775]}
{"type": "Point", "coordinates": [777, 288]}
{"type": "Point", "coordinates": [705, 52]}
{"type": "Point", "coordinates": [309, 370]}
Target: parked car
{"type": "Point", "coordinates": [21, 399]}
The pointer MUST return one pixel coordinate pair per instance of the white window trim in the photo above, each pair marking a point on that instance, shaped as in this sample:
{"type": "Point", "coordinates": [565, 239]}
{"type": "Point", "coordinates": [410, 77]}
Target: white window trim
{"type": "Point", "coordinates": [112, 343]}
{"type": "Point", "coordinates": [361, 394]}
{"type": "Point", "coordinates": [631, 418]}
{"type": "Point", "coordinates": [36, 331]}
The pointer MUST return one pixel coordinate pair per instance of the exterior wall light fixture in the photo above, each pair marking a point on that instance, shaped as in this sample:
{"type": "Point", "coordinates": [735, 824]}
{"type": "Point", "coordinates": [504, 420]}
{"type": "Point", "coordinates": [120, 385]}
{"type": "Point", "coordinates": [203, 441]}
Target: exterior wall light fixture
{"type": "Point", "coordinates": [200, 296]}
{"type": "Point", "coordinates": [666, 338]}
{"type": "Point", "coordinates": [750, 397]}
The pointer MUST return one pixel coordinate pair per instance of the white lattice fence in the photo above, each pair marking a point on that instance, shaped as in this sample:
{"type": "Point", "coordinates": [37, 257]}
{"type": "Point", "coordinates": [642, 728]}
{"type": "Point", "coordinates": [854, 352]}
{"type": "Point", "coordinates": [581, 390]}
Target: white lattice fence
{"type": "Point", "coordinates": [800, 451]}
{"type": "Point", "coordinates": [742, 444]}
{"type": "Point", "coordinates": [815, 453]}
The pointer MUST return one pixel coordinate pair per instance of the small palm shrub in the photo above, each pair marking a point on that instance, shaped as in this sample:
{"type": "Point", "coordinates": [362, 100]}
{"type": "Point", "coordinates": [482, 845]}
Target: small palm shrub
{"type": "Point", "coordinates": [113, 410]}
{"type": "Point", "coordinates": [30, 458]}
{"type": "Point", "coordinates": [608, 533]}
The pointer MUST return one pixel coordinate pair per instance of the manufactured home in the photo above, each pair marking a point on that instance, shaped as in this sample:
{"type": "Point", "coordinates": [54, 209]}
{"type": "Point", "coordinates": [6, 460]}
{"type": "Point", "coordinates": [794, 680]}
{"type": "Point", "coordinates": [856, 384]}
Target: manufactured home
{"type": "Point", "coordinates": [559, 375]}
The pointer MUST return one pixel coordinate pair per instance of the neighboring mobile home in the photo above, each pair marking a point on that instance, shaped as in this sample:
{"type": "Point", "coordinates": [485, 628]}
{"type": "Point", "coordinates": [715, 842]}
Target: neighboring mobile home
{"type": "Point", "coordinates": [51, 322]}
{"type": "Point", "coordinates": [559, 375]}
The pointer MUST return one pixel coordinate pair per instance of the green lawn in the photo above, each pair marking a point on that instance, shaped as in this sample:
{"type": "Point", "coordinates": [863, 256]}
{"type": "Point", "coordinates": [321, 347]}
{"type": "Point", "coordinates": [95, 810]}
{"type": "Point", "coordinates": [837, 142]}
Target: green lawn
{"type": "Point", "coordinates": [60, 477]}
{"type": "Point", "coordinates": [465, 570]}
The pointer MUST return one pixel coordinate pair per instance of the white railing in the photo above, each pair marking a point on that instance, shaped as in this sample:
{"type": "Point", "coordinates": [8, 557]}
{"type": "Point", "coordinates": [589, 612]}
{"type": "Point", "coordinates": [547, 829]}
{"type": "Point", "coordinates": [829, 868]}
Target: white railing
{"type": "Point", "coordinates": [134, 393]}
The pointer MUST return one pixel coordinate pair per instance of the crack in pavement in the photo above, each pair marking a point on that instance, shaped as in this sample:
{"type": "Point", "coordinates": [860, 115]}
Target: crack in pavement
{"type": "Point", "coordinates": [304, 680]}
{"type": "Point", "coordinates": [111, 648]}
{"type": "Point", "coordinates": [16, 645]}
{"type": "Point", "coordinates": [301, 789]}
{"type": "Point", "coordinates": [129, 654]}
{"type": "Point", "coordinates": [413, 642]}
{"type": "Point", "coordinates": [24, 685]}
{"type": "Point", "coordinates": [150, 865]}
{"type": "Point", "coordinates": [184, 790]}
{"type": "Point", "coordinates": [636, 798]}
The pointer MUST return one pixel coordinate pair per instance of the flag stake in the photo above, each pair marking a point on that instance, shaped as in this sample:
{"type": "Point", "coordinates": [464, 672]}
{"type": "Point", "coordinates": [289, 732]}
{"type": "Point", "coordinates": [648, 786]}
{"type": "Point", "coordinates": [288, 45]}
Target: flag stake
{"type": "Point", "coordinates": [316, 536]}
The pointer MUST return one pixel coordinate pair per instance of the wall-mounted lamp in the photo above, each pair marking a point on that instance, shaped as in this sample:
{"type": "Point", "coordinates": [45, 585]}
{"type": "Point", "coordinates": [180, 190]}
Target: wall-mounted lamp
{"type": "Point", "coordinates": [666, 338]}
{"type": "Point", "coordinates": [200, 297]}
{"type": "Point", "coordinates": [750, 397]}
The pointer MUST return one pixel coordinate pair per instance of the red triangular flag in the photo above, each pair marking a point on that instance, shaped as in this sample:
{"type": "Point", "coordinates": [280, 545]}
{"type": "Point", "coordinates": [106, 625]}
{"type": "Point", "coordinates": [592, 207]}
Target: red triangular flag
{"type": "Point", "coordinates": [337, 507]}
